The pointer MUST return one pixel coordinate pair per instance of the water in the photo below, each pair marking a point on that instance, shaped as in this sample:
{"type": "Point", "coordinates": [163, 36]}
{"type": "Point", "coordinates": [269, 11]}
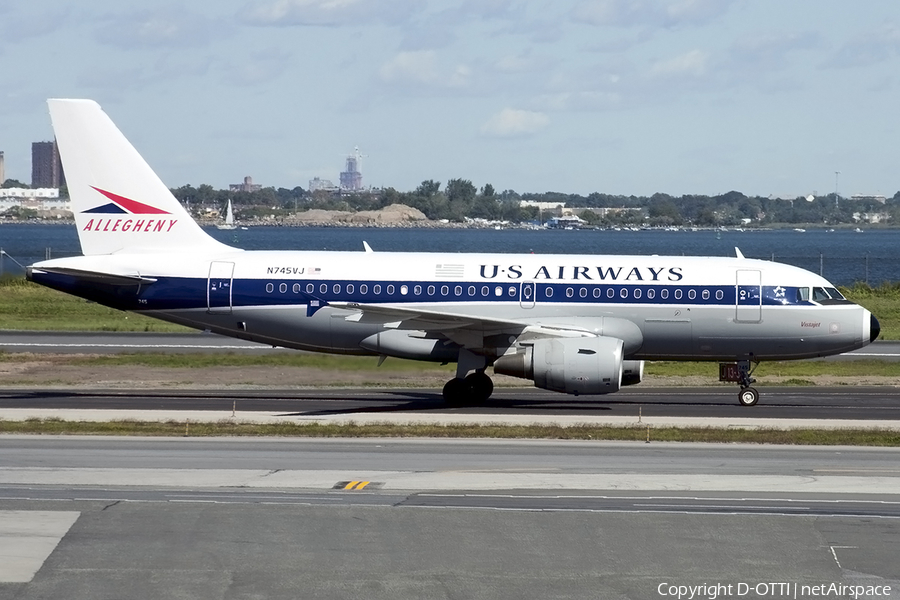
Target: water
{"type": "Point", "coordinates": [842, 256]}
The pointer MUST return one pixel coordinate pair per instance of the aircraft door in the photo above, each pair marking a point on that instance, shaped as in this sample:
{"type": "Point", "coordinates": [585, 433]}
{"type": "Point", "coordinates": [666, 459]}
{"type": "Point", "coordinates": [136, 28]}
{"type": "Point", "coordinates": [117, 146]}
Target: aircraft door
{"type": "Point", "coordinates": [527, 291]}
{"type": "Point", "coordinates": [748, 290]}
{"type": "Point", "coordinates": [218, 287]}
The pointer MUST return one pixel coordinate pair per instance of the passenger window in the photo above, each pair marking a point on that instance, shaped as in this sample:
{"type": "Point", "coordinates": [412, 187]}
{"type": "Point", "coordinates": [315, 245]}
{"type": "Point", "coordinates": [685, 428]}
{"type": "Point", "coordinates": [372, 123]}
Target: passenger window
{"type": "Point", "coordinates": [458, 290]}
{"type": "Point", "coordinates": [270, 288]}
{"type": "Point", "coordinates": [637, 293]}
{"type": "Point", "coordinates": [445, 290]}
{"type": "Point", "coordinates": [296, 288]}
{"type": "Point", "coordinates": [431, 290]}
{"type": "Point", "coordinates": [310, 288]}
{"type": "Point", "coordinates": [471, 290]}
{"type": "Point", "coordinates": [678, 294]}
{"type": "Point", "coordinates": [651, 294]}
{"type": "Point", "coordinates": [350, 288]}
{"type": "Point", "coordinates": [390, 289]}
{"type": "Point", "coordinates": [596, 292]}
{"type": "Point", "coordinates": [323, 289]}
{"type": "Point", "coordinates": [282, 288]}
{"type": "Point", "coordinates": [498, 291]}
{"type": "Point", "coordinates": [569, 292]}
{"type": "Point", "coordinates": [417, 290]}
{"type": "Point", "coordinates": [336, 288]}
{"type": "Point", "coordinates": [363, 289]}
{"type": "Point", "coordinates": [376, 288]}
{"type": "Point", "coordinates": [485, 290]}
{"type": "Point", "coordinates": [404, 289]}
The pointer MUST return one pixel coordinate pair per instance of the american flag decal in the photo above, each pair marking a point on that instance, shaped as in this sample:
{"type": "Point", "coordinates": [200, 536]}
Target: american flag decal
{"type": "Point", "coordinates": [449, 270]}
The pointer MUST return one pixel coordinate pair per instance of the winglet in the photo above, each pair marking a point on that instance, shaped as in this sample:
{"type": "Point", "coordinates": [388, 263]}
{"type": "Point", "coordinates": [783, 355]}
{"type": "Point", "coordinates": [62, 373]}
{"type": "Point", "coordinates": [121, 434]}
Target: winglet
{"type": "Point", "coordinates": [738, 252]}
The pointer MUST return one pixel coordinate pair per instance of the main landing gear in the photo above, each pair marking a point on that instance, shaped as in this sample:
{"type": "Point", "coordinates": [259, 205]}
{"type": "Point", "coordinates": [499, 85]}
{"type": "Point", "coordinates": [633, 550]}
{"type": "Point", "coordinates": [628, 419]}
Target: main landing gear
{"type": "Point", "coordinates": [472, 389]}
{"type": "Point", "coordinates": [468, 387]}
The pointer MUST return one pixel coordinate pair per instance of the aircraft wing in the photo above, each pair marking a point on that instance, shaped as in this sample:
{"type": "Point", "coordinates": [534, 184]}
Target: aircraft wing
{"type": "Point", "coordinates": [468, 330]}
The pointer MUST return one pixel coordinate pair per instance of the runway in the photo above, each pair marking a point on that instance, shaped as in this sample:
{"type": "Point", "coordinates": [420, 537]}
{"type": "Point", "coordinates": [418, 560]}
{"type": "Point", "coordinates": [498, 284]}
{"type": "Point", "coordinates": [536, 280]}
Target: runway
{"type": "Point", "coordinates": [225, 518]}
{"type": "Point", "coordinates": [88, 517]}
{"type": "Point", "coordinates": [863, 405]}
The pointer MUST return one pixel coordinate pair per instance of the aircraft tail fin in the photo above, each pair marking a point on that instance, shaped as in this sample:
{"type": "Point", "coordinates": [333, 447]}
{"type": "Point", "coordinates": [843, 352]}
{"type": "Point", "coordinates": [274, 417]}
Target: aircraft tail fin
{"type": "Point", "coordinates": [120, 204]}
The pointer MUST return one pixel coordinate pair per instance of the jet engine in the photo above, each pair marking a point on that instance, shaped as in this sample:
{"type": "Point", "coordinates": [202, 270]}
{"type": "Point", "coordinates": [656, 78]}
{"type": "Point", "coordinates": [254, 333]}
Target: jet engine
{"type": "Point", "coordinates": [632, 372]}
{"type": "Point", "coordinates": [584, 365]}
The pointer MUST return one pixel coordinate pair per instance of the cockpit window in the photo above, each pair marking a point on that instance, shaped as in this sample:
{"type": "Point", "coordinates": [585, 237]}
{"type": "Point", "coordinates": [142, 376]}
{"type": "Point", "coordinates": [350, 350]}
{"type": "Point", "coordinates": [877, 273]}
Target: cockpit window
{"type": "Point", "coordinates": [820, 294]}
{"type": "Point", "coordinates": [802, 294]}
{"type": "Point", "coordinates": [828, 296]}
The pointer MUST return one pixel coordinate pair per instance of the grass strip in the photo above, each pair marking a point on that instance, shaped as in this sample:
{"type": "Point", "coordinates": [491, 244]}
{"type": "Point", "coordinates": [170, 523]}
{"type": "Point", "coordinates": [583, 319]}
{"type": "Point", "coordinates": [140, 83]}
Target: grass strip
{"type": "Point", "coordinates": [636, 433]}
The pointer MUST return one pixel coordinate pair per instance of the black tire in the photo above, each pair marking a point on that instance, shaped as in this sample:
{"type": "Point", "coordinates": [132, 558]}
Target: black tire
{"type": "Point", "coordinates": [455, 392]}
{"type": "Point", "coordinates": [748, 396]}
{"type": "Point", "coordinates": [479, 387]}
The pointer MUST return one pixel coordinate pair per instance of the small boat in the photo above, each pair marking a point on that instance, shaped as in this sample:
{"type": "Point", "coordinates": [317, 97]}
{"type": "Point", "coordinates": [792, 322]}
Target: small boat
{"type": "Point", "coordinates": [229, 218]}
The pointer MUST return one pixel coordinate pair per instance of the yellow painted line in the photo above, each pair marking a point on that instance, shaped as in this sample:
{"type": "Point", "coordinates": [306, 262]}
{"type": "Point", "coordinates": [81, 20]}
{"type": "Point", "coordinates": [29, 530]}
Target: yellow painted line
{"type": "Point", "coordinates": [350, 485]}
{"type": "Point", "coordinates": [362, 484]}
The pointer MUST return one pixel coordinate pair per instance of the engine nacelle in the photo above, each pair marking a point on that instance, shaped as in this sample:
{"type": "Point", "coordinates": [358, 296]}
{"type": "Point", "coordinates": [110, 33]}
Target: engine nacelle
{"type": "Point", "coordinates": [632, 372]}
{"type": "Point", "coordinates": [586, 365]}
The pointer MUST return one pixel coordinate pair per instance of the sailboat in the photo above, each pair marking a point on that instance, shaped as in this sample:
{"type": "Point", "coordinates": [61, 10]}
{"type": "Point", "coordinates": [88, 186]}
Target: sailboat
{"type": "Point", "coordinates": [229, 218]}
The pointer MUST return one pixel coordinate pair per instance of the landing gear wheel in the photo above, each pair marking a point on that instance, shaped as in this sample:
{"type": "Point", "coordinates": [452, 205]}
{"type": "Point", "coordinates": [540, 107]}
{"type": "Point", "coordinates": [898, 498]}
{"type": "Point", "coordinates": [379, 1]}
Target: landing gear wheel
{"type": "Point", "coordinates": [455, 392]}
{"type": "Point", "coordinates": [479, 387]}
{"type": "Point", "coordinates": [748, 396]}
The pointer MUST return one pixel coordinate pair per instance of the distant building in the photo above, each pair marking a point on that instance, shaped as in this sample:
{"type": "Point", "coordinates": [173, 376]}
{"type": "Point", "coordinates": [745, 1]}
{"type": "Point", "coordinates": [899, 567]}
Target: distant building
{"type": "Point", "coordinates": [321, 185]}
{"type": "Point", "coordinates": [351, 178]}
{"type": "Point", "coordinates": [247, 186]}
{"type": "Point", "coordinates": [36, 198]}
{"type": "Point", "coordinates": [2, 169]}
{"type": "Point", "coordinates": [46, 168]}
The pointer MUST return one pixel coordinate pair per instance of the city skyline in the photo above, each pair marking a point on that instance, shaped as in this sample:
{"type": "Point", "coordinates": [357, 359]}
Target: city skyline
{"type": "Point", "coordinates": [616, 96]}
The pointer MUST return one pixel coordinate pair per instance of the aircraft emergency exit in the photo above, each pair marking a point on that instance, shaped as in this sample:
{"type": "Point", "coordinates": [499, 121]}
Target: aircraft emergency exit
{"type": "Point", "coordinates": [576, 324]}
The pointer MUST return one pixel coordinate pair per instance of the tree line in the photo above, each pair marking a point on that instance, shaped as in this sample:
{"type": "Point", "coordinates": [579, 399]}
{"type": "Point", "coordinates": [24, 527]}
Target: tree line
{"type": "Point", "coordinates": [460, 199]}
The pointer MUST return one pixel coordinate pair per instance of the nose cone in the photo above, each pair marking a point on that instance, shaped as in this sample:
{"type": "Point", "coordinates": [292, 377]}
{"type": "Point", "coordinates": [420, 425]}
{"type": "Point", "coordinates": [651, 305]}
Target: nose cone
{"type": "Point", "coordinates": [874, 328]}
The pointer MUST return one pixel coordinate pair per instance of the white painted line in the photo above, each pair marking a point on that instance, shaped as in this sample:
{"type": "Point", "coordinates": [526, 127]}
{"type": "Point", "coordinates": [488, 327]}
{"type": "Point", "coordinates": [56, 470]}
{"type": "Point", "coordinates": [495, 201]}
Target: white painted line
{"type": "Point", "coordinates": [27, 538]}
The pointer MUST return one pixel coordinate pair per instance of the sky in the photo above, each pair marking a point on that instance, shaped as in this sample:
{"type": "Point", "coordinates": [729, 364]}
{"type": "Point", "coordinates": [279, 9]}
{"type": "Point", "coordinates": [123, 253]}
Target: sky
{"type": "Point", "coordinates": [613, 96]}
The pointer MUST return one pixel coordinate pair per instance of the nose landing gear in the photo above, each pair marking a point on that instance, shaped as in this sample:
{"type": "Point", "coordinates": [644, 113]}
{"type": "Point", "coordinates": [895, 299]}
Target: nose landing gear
{"type": "Point", "coordinates": [740, 372]}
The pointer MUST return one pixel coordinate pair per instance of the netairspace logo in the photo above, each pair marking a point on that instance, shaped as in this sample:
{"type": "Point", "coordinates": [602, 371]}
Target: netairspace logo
{"type": "Point", "coordinates": [712, 591]}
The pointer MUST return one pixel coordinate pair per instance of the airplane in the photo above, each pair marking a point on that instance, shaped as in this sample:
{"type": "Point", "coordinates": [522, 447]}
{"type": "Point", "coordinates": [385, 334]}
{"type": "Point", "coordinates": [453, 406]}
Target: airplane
{"type": "Point", "coordinates": [575, 324]}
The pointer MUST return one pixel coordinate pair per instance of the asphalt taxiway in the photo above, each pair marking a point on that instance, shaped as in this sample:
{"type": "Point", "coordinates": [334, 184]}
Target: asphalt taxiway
{"type": "Point", "coordinates": [241, 518]}
{"type": "Point", "coordinates": [824, 407]}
